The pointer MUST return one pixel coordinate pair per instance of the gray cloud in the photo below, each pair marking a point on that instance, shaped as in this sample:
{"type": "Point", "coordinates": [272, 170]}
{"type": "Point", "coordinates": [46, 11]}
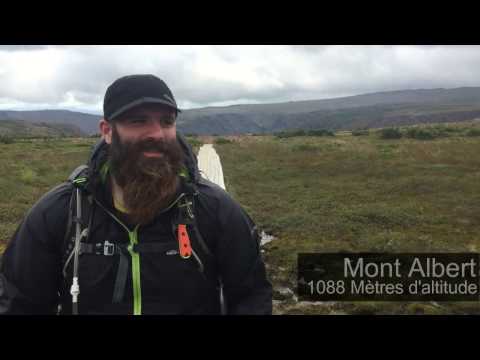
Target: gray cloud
{"type": "Point", "coordinates": [76, 77]}
{"type": "Point", "coordinates": [22, 47]}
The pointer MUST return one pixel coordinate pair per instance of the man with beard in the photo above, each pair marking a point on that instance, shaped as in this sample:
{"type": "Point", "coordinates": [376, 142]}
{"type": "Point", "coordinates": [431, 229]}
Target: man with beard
{"type": "Point", "coordinates": [138, 230]}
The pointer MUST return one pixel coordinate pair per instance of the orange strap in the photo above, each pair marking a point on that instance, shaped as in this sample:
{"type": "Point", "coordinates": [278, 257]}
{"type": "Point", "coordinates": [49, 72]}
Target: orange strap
{"type": "Point", "coordinates": [184, 242]}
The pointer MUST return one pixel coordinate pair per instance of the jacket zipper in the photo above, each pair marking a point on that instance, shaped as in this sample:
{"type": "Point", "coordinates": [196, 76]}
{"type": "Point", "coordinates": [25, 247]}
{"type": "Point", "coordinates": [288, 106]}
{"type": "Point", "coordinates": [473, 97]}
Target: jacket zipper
{"type": "Point", "coordinates": [133, 237]}
{"type": "Point", "coordinates": [137, 291]}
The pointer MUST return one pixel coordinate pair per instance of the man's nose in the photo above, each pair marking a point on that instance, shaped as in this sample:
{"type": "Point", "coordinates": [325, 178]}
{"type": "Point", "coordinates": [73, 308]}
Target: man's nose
{"type": "Point", "coordinates": [156, 130]}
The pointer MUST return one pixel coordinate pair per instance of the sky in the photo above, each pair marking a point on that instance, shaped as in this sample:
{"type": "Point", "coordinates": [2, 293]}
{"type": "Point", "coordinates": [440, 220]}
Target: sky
{"type": "Point", "coordinates": [75, 77]}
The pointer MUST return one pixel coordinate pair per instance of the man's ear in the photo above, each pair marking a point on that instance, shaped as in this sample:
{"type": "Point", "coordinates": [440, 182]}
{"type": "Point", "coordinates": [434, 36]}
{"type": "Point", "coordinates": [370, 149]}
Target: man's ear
{"type": "Point", "coordinates": [106, 130]}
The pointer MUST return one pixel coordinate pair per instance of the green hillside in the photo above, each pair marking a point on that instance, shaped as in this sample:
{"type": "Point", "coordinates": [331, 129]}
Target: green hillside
{"type": "Point", "coordinates": [20, 128]}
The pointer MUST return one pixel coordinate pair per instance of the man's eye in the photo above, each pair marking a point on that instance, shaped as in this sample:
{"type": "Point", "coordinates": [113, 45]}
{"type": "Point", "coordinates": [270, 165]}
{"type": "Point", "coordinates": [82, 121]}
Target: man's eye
{"type": "Point", "coordinates": [168, 121]}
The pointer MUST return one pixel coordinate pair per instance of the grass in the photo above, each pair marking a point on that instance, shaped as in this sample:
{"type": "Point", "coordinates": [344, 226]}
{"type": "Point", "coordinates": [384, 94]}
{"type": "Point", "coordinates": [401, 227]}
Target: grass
{"type": "Point", "coordinates": [30, 167]}
{"type": "Point", "coordinates": [360, 193]}
{"type": "Point", "coordinates": [194, 142]}
{"type": "Point", "coordinates": [315, 194]}
{"type": "Point", "coordinates": [222, 141]}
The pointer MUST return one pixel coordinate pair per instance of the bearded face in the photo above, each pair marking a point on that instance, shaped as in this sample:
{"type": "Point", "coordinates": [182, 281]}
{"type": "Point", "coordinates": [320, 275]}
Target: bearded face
{"type": "Point", "coordinates": [149, 183]}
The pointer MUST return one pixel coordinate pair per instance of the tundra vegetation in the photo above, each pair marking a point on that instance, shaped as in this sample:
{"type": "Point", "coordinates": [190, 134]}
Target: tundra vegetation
{"type": "Point", "coordinates": [414, 191]}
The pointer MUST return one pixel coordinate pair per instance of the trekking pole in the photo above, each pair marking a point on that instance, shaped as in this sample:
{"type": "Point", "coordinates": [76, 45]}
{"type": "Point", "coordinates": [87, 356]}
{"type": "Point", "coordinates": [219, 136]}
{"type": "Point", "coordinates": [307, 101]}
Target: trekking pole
{"type": "Point", "coordinates": [75, 289]}
{"type": "Point", "coordinates": [223, 304]}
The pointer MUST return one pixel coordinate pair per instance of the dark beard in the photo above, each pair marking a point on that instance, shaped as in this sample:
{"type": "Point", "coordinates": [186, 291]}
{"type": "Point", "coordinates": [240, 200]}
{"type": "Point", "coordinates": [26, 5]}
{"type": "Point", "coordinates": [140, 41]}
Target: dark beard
{"type": "Point", "coordinates": [149, 184]}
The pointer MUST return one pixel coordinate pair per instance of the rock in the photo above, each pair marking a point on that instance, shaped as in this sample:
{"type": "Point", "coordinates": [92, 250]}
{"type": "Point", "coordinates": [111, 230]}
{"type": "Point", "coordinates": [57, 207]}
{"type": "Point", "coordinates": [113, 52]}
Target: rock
{"type": "Point", "coordinates": [283, 293]}
{"type": "Point", "coordinates": [265, 238]}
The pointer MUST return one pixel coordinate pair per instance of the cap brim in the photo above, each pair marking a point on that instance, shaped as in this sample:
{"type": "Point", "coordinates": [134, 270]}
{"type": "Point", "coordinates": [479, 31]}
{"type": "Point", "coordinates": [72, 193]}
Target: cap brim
{"type": "Point", "coordinates": [145, 100]}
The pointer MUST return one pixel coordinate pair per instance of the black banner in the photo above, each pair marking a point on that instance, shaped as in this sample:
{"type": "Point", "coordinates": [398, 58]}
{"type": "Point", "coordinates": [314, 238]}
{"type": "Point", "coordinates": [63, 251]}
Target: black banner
{"type": "Point", "coordinates": [389, 277]}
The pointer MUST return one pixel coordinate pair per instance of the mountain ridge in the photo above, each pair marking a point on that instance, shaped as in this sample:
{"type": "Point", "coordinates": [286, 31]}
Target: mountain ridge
{"type": "Point", "coordinates": [376, 109]}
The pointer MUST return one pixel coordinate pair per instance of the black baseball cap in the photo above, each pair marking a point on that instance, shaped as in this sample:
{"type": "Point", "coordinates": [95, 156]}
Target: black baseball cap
{"type": "Point", "coordinates": [133, 90]}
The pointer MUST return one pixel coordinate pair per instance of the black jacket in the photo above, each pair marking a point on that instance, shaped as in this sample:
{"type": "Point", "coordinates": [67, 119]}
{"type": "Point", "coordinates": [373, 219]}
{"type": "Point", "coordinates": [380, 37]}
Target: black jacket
{"type": "Point", "coordinates": [31, 280]}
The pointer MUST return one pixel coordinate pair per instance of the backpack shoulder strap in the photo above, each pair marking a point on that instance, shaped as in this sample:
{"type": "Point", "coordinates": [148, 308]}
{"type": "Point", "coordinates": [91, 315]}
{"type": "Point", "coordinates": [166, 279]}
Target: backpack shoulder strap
{"type": "Point", "coordinates": [186, 215]}
{"type": "Point", "coordinates": [79, 172]}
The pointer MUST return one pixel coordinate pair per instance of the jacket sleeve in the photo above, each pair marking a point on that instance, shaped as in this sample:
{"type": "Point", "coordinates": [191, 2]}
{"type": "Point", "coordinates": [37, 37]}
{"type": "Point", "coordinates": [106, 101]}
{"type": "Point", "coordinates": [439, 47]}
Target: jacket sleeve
{"type": "Point", "coordinates": [30, 272]}
{"type": "Point", "coordinates": [242, 270]}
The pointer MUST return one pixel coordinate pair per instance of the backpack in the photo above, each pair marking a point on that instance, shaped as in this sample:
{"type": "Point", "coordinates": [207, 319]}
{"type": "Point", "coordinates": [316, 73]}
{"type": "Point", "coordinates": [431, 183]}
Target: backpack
{"type": "Point", "coordinates": [81, 211]}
